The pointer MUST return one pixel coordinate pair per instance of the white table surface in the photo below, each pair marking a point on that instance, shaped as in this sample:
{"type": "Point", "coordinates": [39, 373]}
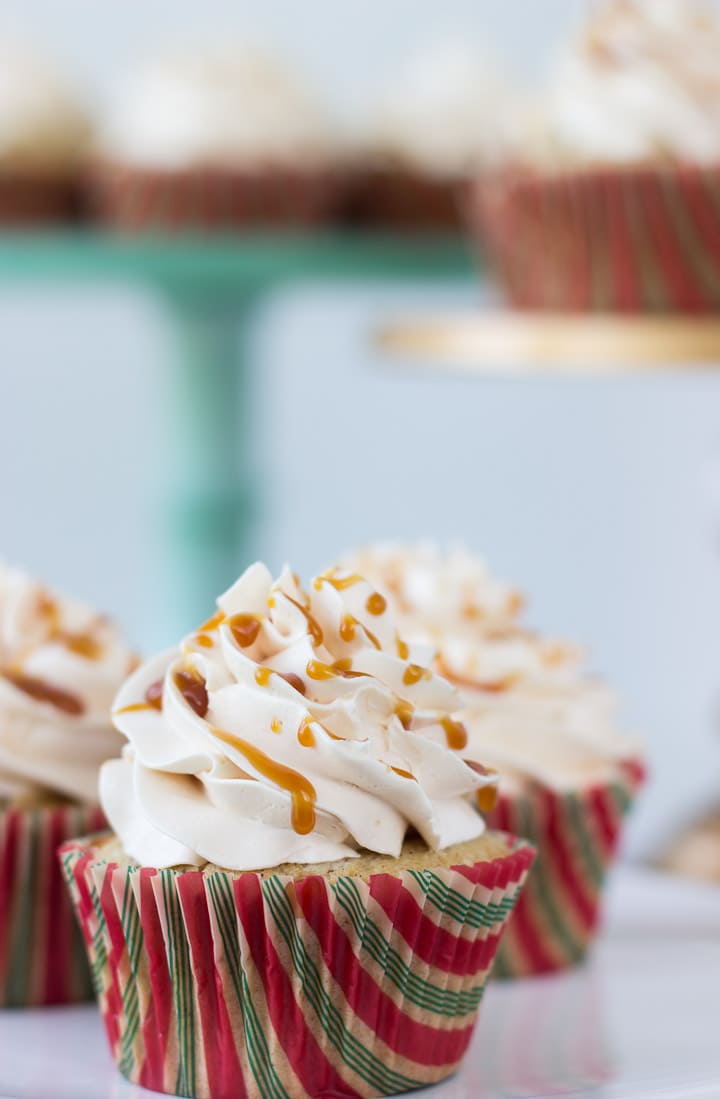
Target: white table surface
{"type": "Point", "coordinates": [640, 1021]}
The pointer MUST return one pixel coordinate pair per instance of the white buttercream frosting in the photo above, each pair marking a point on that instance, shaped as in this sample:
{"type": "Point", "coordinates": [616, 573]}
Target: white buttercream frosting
{"type": "Point", "coordinates": [223, 110]}
{"type": "Point", "coordinates": [60, 667]}
{"type": "Point", "coordinates": [295, 726]}
{"type": "Point", "coordinates": [440, 115]}
{"type": "Point", "coordinates": [43, 127]}
{"type": "Point", "coordinates": [530, 709]}
{"type": "Point", "coordinates": [641, 83]}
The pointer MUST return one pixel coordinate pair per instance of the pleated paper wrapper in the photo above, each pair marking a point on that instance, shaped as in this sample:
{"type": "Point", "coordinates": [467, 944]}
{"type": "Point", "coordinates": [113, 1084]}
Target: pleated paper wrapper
{"type": "Point", "coordinates": [576, 836]}
{"type": "Point", "coordinates": [42, 956]}
{"type": "Point", "coordinates": [226, 986]}
{"type": "Point", "coordinates": [135, 199]}
{"type": "Point", "coordinates": [625, 240]}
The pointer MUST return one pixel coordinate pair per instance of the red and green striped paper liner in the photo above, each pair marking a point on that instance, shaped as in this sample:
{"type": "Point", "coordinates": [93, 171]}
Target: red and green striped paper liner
{"type": "Point", "coordinates": [225, 986]}
{"type": "Point", "coordinates": [576, 836]}
{"type": "Point", "coordinates": [138, 199]}
{"type": "Point", "coordinates": [643, 239]}
{"type": "Point", "coordinates": [42, 956]}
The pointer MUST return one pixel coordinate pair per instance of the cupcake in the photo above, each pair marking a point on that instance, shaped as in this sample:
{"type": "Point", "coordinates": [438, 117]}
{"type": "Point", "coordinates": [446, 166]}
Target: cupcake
{"type": "Point", "coordinates": [428, 134]}
{"type": "Point", "coordinates": [60, 666]}
{"type": "Point", "coordinates": [299, 896]}
{"type": "Point", "coordinates": [216, 141]}
{"type": "Point", "coordinates": [612, 203]}
{"type": "Point", "coordinates": [44, 134]}
{"type": "Point", "coordinates": [695, 853]}
{"type": "Point", "coordinates": [567, 775]}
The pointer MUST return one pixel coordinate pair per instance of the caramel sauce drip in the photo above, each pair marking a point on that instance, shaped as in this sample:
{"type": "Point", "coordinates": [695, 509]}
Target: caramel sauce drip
{"type": "Point", "coordinates": [403, 650]}
{"type": "Point", "coordinates": [302, 792]}
{"type": "Point", "coordinates": [376, 604]}
{"type": "Point", "coordinates": [405, 712]}
{"type": "Point", "coordinates": [82, 644]}
{"type": "Point", "coordinates": [487, 798]}
{"type": "Point", "coordinates": [414, 673]}
{"type": "Point", "coordinates": [313, 624]}
{"type": "Point", "coordinates": [276, 725]}
{"type": "Point", "coordinates": [370, 636]}
{"type": "Point", "coordinates": [204, 641]}
{"type": "Point", "coordinates": [305, 734]}
{"type": "Point", "coordinates": [212, 623]}
{"type": "Point", "coordinates": [245, 629]}
{"type": "Point", "coordinates": [262, 676]}
{"type": "Point", "coordinates": [347, 628]}
{"type": "Point", "coordinates": [340, 583]}
{"type": "Point", "coordinates": [294, 681]}
{"type": "Point", "coordinates": [403, 774]}
{"type": "Point", "coordinates": [455, 734]}
{"type": "Point", "coordinates": [194, 690]}
{"type": "Point", "coordinates": [42, 691]}
{"type": "Point", "coordinates": [318, 671]}
{"type": "Point", "coordinates": [153, 700]}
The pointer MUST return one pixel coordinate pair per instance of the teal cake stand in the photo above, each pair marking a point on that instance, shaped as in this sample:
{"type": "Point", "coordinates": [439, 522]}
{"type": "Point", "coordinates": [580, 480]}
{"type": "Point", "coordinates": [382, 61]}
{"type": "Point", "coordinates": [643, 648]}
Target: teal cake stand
{"type": "Point", "coordinates": [212, 287]}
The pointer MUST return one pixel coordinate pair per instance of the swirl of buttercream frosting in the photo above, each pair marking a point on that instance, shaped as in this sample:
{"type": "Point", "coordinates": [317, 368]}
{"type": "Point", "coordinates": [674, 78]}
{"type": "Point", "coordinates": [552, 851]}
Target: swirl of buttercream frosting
{"type": "Point", "coordinates": [294, 726]}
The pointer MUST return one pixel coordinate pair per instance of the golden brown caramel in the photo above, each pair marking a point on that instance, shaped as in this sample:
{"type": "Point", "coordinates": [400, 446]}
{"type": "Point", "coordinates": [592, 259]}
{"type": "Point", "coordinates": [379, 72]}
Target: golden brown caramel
{"type": "Point", "coordinates": [319, 671]}
{"type": "Point", "coordinates": [347, 628]}
{"type": "Point", "coordinates": [82, 644]}
{"type": "Point", "coordinates": [294, 681]}
{"type": "Point", "coordinates": [413, 674]}
{"type": "Point", "coordinates": [455, 733]}
{"type": "Point", "coordinates": [312, 622]}
{"type": "Point", "coordinates": [153, 700]}
{"type": "Point", "coordinates": [487, 798]}
{"type": "Point", "coordinates": [42, 691]}
{"type": "Point", "coordinates": [302, 792]}
{"type": "Point", "coordinates": [212, 623]}
{"type": "Point", "coordinates": [405, 712]}
{"type": "Point", "coordinates": [403, 650]}
{"type": "Point", "coordinates": [276, 725]}
{"type": "Point", "coordinates": [204, 640]}
{"type": "Point", "coordinates": [376, 603]}
{"type": "Point", "coordinates": [305, 734]}
{"type": "Point", "coordinates": [245, 629]}
{"type": "Point", "coordinates": [340, 583]}
{"type": "Point", "coordinates": [262, 676]}
{"type": "Point", "coordinates": [193, 689]}
{"type": "Point", "coordinates": [403, 774]}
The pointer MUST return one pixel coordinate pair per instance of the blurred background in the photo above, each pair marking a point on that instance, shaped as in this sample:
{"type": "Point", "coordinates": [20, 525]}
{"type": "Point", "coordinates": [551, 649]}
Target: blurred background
{"type": "Point", "coordinates": [599, 496]}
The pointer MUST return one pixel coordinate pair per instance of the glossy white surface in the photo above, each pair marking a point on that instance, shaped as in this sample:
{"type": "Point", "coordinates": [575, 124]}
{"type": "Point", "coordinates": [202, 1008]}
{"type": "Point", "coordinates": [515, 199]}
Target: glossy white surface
{"type": "Point", "coordinates": [642, 1021]}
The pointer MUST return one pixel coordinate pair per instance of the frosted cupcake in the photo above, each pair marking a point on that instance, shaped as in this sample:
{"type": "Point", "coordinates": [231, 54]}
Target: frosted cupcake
{"type": "Point", "coordinates": [427, 136]}
{"type": "Point", "coordinates": [299, 897]}
{"type": "Point", "coordinates": [567, 774]}
{"type": "Point", "coordinates": [44, 135]}
{"type": "Point", "coordinates": [60, 666]}
{"type": "Point", "coordinates": [612, 204]}
{"type": "Point", "coordinates": [213, 141]}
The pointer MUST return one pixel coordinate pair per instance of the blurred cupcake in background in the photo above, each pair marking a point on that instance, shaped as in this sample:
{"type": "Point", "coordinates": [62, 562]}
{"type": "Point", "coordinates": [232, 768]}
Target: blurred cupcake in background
{"type": "Point", "coordinates": [60, 666]}
{"type": "Point", "coordinates": [429, 132]}
{"type": "Point", "coordinates": [212, 141]}
{"type": "Point", "coordinates": [567, 774]}
{"type": "Point", "coordinates": [44, 137]}
{"type": "Point", "coordinates": [611, 203]}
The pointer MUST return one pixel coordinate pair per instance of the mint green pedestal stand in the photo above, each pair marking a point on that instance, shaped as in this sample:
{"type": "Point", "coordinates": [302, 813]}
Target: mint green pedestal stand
{"type": "Point", "coordinates": [211, 288]}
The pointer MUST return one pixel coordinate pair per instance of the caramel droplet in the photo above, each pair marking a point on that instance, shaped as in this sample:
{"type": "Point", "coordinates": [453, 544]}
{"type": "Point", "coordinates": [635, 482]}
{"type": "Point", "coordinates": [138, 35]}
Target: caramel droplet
{"type": "Point", "coordinates": [402, 648]}
{"type": "Point", "coordinates": [302, 792]}
{"type": "Point", "coordinates": [403, 774]}
{"type": "Point", "coordinates": [319, 671]}
{"type": "Point", "coordinates": [42, 691]}
{"type": "Point", "coordinates": [376, 603]}
{"type": "Point", "coordinates": [305, 734]}
{"type": "Point", "coordinates": [153, 700]}
{"type": "Point", "coordinates": [487, 798]}
{"type": "Point", "coordinates": [193, 689]}
{"type": "Point", "coordinates": [413, 674]}
{"type": "Point", "coordinates": [245, 629]}
{"type": "Point", "coordinates": [262, 676]}
{"type": "Point", "coordinates": [405, 712]}
{"type": "Point", "coordinates": [83, 644]}
{"type": "Point", "coordinates": [294, 681]}
{"type": "Point", "coordinates": [347, 628]}
{"type": "Point", "coordinates": [212, 623]}
{"type": "Point", "coordinates": [204, 640]}
{"type": "Point", "coordinates": [276, 725]}
{"type": "Point", "coordinates": [455, 734]}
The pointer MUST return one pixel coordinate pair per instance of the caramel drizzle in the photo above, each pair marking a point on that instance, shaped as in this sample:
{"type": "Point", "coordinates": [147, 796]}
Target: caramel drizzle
{"type": "Point", "coordinates": [262, 676]}
{"type": "Point", "coordinates": [318, 671]}
{"type": "Point", "coordinates": [42, 691]}
{"type": "Point", "coordinates": [312, 622]}
{"type": "Point", "coordinates": [245, 629]}
{"type": "Point", "coordinates": [305, 735]}
{"type": "Point", "coordinates": [204, 640]}
{"type": "Point", "coordinates": [376, 604]}
{"type": "Point", "coordinates": [302, 792]}
{"type": "Point", "coordinates": [414, 673]}
{"type": "Point", "coordinates": [294, 681]}
{"type": "Point", "coordinates": [193, 689]}
{"type": "Point", "coordinates": [276, 725]}
{"type": "Point", "coordinates": [403, 774]}
{"type": "Point", "coordinates": [212, 623]}
{"type": "Point", "coordinates": [340, 583]}
{"type": "Point", "coordinates": [402, 647]}
{"type": "Point", "coordinates": [405, 712]}
{"type": "Point", "coordinates": [455, 733]}
{"type": "Point", "coordinates": [153, 700]}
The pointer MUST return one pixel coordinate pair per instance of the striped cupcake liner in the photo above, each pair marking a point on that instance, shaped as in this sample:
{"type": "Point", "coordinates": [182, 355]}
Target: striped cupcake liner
{"type": "Point", "coordinates": [225, 986]}
{"type": "Point", "coordinates": [576, 836]}
{"type": "Point", "coordinates": [137, 199]}
{"type": "Point", "coordinates": [630, 240]}
{"type": "Point", "coordinates": [397, 198]}
{"type": "Point", "coordinates": [42, 957]}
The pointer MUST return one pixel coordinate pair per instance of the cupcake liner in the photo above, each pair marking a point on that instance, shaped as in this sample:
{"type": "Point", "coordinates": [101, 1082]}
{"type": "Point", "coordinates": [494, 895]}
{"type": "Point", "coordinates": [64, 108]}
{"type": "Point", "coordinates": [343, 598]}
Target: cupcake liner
{"type": "Point", "coordinates": [222, 986]}
{"type": "Point", "coordinates": [36, 199]}
{"type": "Point", "coordinates": [396, 198]}
{"type": "Point", "coordinates": [42, 958]}
{"type": "Point", "coordinates": [620, 240]}
{"type": "Point", "coordinates": [132, 198]}
{"type": "Point", "coordinates": [576, 835]}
